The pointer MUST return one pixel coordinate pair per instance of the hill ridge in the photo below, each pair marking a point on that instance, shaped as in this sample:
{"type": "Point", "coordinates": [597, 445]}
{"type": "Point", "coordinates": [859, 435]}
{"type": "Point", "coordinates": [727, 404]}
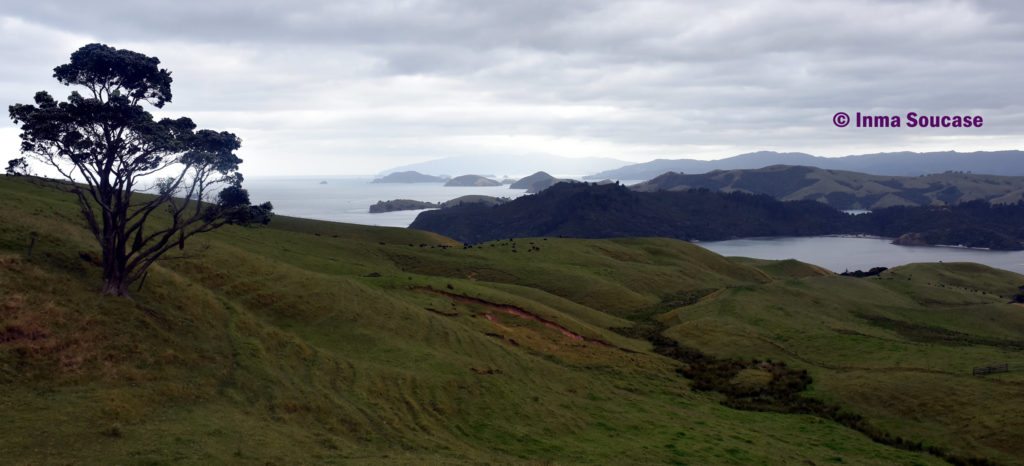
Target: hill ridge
{"type": "Point", "coordinates": [844, 189]}
{"type": "Point", "coordinates": [1006, 162]}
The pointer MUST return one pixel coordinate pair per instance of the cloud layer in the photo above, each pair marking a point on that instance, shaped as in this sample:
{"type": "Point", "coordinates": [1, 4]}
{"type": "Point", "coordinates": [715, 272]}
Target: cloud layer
{"type": "Point", "coordinates": [317, 87]}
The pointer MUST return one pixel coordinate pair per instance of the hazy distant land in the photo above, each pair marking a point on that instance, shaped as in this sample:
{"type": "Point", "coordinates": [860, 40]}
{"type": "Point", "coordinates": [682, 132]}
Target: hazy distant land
{"type": "Point", "coordinates": [1006, 163]}
{"type": "Point", "coordinates": [848, 190]}
{"type": "Point", "coordinates": [410, 177]}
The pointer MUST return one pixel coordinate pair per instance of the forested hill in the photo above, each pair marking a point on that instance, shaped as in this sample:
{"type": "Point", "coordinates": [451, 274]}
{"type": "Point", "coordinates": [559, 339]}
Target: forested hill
{"type": "Point", "coordinates": [590, 211]}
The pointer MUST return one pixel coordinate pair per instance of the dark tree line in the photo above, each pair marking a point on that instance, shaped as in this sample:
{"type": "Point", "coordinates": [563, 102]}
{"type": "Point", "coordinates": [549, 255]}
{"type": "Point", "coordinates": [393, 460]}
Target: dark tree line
{"type": "Point", "coordinates": [106, 147]}
{"type": "Point", "coordinates": [974, 224]}
{"type": "Point", "coordinates": [861, 274]}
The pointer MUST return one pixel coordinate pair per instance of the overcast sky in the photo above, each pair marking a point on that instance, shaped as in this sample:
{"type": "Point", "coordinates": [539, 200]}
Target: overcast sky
{"type": "Point", "coordinates": [335, 87]}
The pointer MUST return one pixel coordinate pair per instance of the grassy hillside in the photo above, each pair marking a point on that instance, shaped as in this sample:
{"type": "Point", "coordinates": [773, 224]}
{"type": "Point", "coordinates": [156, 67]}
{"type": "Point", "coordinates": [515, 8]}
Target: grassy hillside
{"type": "Point", "coordinates": [317, 342]}
{"type": "Point", "coordinates": [847, 189]}
{"type": "Point", "coordinates": [898, 348]}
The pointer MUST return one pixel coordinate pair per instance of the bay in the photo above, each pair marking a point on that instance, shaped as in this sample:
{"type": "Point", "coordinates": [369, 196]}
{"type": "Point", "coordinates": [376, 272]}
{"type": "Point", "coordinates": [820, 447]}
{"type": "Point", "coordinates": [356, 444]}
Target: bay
{"type": "Point", "coordinates": [348, 200]}
{"type": "Point", "coordinates": [839, 254]}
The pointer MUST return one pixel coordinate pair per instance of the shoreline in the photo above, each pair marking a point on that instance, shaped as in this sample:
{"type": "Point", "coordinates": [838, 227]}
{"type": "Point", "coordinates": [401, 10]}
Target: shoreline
{"type": "Point", "coordinates": [851, 236]}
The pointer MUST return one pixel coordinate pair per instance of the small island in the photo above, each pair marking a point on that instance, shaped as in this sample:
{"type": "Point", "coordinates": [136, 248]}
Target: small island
{"type": "Point", "coordinates": [409, 177]}
{"type": "Point", "coordinates": [537, 182]}
{"type": "Point", "coordinates": [471, 180]}
{"type": "Point", "coordinates": [409, 204]}
{"type": "Point", "coordinates": [488, 201]}
{"type": "Point", "coordinates": [401, 204]}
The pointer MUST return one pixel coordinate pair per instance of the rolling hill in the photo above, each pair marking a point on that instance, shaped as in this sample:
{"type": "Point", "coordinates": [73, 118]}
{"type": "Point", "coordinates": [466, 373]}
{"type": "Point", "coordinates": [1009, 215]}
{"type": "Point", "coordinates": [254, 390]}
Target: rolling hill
{"type": "Point", "coordinates": [1006, 163]}
{"type": "Point", "coordinates": [317, 342]}
{"type": "Point", "coordinates": [848, 190]}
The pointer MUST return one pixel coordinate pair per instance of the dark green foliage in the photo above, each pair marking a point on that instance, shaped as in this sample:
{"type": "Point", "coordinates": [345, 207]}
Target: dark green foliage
{"type": "Point", "coordinates": [861, 274]}
{"type": "Point", "coordinates": [973, 224]}
{"type": "Point", "coordinates": [17, 167]}
{"type": "Point", "coordinates": [104, 68]}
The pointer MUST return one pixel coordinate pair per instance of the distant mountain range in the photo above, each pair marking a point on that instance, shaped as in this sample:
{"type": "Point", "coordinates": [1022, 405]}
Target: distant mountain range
{"type": "Point", "coordinates": [1009, 163]}
{"type": "Point", "coordinates": [605, 211]}
{"type": "Point", "coordinates": [512, 166]}
{"type": "Point", "coordinates": [848, 190]}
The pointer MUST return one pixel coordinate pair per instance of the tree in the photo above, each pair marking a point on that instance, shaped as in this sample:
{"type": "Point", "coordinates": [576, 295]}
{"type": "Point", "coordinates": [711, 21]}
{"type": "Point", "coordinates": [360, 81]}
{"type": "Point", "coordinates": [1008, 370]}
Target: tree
{"type": "Point", "coordinates": [17, 167]}
{"type": "Point", "coordinates": [105, 146]}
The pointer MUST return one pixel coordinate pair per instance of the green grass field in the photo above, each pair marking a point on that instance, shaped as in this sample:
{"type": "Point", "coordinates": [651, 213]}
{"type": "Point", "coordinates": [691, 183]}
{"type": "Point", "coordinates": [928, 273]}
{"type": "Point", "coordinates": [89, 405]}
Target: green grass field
{"type": "Point", "coordinates": [315, 342]}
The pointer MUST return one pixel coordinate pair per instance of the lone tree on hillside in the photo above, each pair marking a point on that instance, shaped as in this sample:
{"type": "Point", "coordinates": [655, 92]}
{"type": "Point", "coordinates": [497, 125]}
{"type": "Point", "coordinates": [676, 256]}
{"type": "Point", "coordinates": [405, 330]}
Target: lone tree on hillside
{"type": "Point", "coordinates": [104, 145]}
{"type": "Point", "coordinates": [17, 167]}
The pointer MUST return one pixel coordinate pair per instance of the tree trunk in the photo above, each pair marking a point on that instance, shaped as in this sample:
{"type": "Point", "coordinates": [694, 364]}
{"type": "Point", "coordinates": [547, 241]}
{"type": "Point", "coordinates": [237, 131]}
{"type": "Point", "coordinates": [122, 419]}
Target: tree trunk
{"type": "Point", "coordinates": [115, 279]}
{"type": "Point", "coordinates": [115, 287]}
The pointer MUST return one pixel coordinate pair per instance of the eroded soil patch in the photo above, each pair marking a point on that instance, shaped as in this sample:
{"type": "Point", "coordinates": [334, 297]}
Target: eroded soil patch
{"type": "Point", "coordinates": [517, 312]}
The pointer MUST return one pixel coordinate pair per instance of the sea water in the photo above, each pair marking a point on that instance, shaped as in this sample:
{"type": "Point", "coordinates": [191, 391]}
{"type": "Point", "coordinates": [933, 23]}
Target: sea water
{"type": "Point", "coordinates": [348, 200]}
{"type": "Point", "coordinates": [839, 254]}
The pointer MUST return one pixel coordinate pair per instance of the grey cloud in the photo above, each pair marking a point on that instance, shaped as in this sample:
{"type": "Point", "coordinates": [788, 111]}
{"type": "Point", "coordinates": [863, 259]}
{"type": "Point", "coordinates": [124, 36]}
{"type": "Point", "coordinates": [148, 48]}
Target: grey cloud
{"type": "Point", "coordinates": [322, 82]}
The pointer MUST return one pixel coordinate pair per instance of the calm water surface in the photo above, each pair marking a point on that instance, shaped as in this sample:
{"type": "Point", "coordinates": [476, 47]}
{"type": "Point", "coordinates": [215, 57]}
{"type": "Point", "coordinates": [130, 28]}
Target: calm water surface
{"type": "Point", "coordinates": [348, 199]}
{"type": "Point", "coordinates": [841, 253]}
